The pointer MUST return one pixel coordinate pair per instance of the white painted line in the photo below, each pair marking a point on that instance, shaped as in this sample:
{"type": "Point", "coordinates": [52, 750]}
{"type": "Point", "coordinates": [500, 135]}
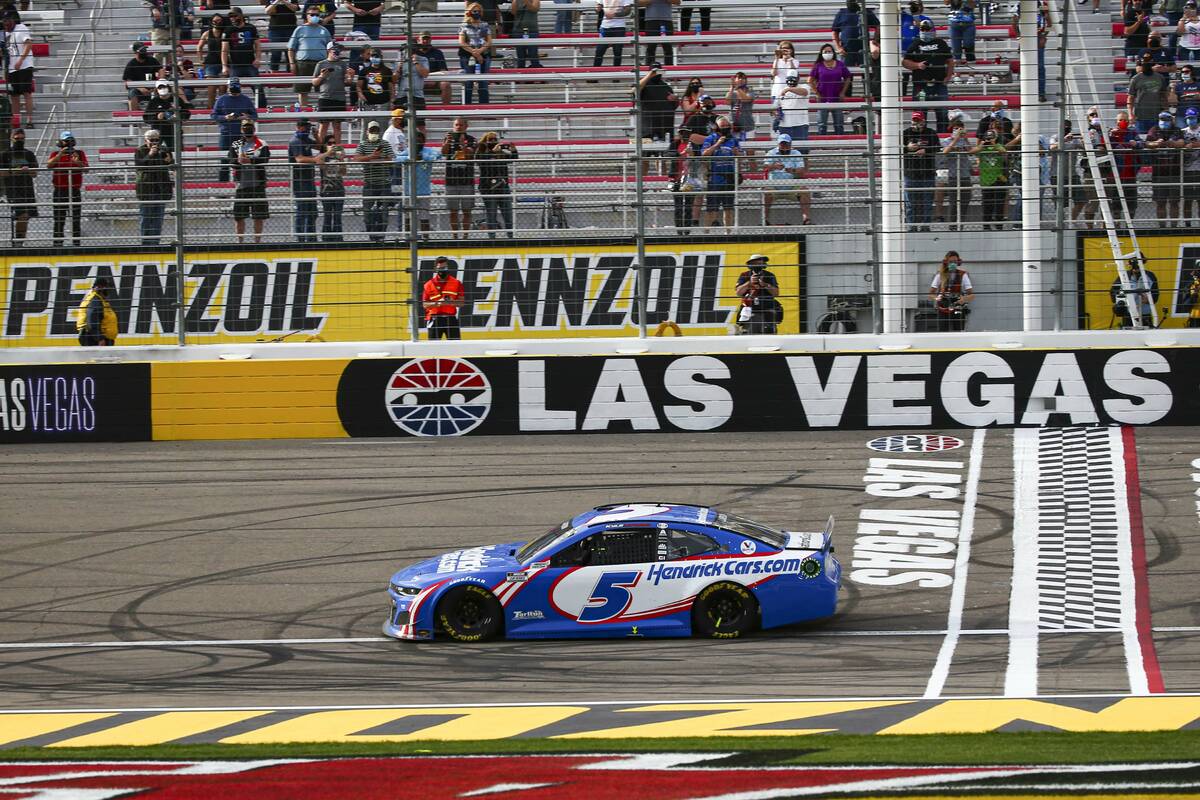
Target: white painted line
{"type": "Point", "coordinates": [1134, 666]}
{"type": "Point", "coordinates": [185, 643]}
{"type": "Point", "coordinates": [1021, 675]}
{"type": "Point", "coordinates": [958, 591]}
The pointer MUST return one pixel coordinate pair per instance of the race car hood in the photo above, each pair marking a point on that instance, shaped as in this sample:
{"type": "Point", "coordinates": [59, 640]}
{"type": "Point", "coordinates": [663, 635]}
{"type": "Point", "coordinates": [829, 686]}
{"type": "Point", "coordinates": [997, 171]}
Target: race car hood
{"type": "Point", "coordinates": [472, 561]}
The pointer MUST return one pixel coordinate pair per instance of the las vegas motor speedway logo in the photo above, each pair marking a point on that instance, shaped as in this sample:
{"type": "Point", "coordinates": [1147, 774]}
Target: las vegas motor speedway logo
{"type": "Point", "coordinates": [915, 443]}
{"type": "Point", "coordinates": [438, 397]}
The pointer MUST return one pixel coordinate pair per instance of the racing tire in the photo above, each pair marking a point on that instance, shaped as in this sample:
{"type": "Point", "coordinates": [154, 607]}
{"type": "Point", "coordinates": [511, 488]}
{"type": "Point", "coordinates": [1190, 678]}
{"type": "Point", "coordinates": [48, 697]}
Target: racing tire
{"type": "Point", "coordinates": [724, 611]}
{"type": "Point", "coordinates": [470, 613]}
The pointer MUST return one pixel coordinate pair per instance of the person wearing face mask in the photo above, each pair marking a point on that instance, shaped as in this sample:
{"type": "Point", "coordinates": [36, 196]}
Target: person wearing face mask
{"type": "Point", "coordinates": [425, 156]}
{"type": "Point", "coordinates": [785, 167]}
{"type": "Point", "coordinates": [495, 157]}
{"type": "Point", "coordinates": [374, 86]}
{"type": "Point", "coordinates": [1190, 205]}
{"type": "Point", "coordinates": [1158, 55]}
{"type": "Point", "coordinates": [154, 186]}
{"type": "Point", "coordinates": [958, 175]}
{"type": "Point", "coordinates": [792, 105]}
{"type": "Point", "coordinates": [689, 103]}
{"type": "Point", "coordinates": [376, 156]}
{"type": "Point", "coordinates": [475, 52]}
{"type": "Point", "coordinates": [161, 110]}
{"type": "Point", "coordinates": [411, 66]}
{"type": "Point", "coordinates": [658, 106]}
{"type": "Point", "coordinates": [921, 147]}
{"type": "Point", "coordinates": [95, 321]}
{"type": "Point", "coordinates": [612, 15]}
{"type": "Point", "coordinates": [1185, 93]}
{"type": "Point", "coordinates": [1135, 14]}
{"type": "Point", "coordinates": [306, 49]}
{"type": "Point", "coordinates": [847, 31]}
{"type": "Point", "coordinates": [332, 79]}
{"type": "Point", "coordinates": [961, 17]}
{"type": "Point", "coordinates": [208, 50]}
{"type": "Point", "coordinates": [723, 151]}
{"type": "Point", "coordinates": [1070, 147]}
{"type": "Point", "coordinates": [142, 67]}
{"type": "Point", "coordinates": [458, 150]}
{"type": "Point", "coordinates": [368, 20]}
{"type": "Point", "coordinates": [241, 52]}
{"type": "Point", "coordinates": [442, 296]}
{"type": "Point", "coordinates": [1188, 31]}
{"type": "Point", "coordinates": [830, 79]}
{"type": "Point", "coordinates": [304, 157]}
{"type": "Point", "coordinates": [281, 23]}
{"type": "Point", "coordinates": [1147, 96]}
{"type": "Point", "coordinates": [67, 165]}
{"type": "Point", "coordinates": [333, 188]}
{"type": "Point", "coordinates": [1165, 143]}
{"type": "Point", "coordinates": [1142, 292]}
{"type": "Point", "coordinates": [18, 166]}
{"type": "Point", "coordinates": [998, 116]}
{"type": "Point", "coordinates": [910, 22]}
{"type": "Point", "coordinates": [249, 156]}
{"type": "Point", "coordinates": [932, 63]}
{"type": "Point", "coordinates": [993, 178]}
{"type": "Point", "coordinates": [704, 121]}
{"type": "Point", "coordinates": [230, 110]}
{"type": "Point", "coordinates": [950, 292]}
{"type": "Point", "coordinates": [741, 106]}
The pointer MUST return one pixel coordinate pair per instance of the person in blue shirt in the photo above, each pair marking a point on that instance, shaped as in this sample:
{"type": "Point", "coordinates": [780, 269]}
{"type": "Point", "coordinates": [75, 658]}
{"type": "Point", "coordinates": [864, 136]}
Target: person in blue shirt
{"type": "Point", "coordinates": [848, 33]}
{"type": "Point", "coordinates": [910, 22]}
{"type": "Point", "coordinates": [961, 16]}
{"type": "Point", "coordinates": [228, 112]}
{"type": "Point", "coordinates": [303, 164]}
{"type": "Point", "coordinates": [424, 169]}
{"type": "Point", "coordinates": [722, 150]}
{"type": "Point", "coordinates": [306, 49]}
{"type": "Point", "coordinates": [785, 167]}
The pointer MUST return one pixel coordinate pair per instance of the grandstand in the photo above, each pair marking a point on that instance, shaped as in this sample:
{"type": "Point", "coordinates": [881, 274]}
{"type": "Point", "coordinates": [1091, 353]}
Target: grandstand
{"type": "Point", "coordinates": [576, 130]}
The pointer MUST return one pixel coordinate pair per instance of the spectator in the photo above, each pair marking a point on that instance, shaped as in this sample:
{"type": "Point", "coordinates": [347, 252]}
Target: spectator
{"type": "Point", "coordinates": [303, 164]}
{"type": "Point", "coordinates": [441, 296]}
{"type": "Point", "coordinates": [792, 105]}
{"type": "Point", "coordinates": [1043, 33]}
{"type": "Point", "coordinates": [490, 14]}
{"type": "Point", "coordinates": [1165, 142]}
{"type": "Point", "coordinates": [96, 322]}
{"type": "Point", "coordinates": [785, 65]}
{"type": "Point", "coordinates": [564, 21]}
{"type": "Point", "coordinates": [690, 102]}
{"type": "Point", "coordinates": [249, 156]}
{"type": "Point", "coordinates": [930, 59]}
{"type": "Point", "coordinates": [685, 18]}
{"type": "Point", "coordinates": [525, 26]}
{"type": "Point", "coordinates": [458, 148]}
{"type": "Point", "coordinates": [376, 156]}
{"type": "Point", "coordinates": [612, 25]}
{"type": "Point", "coordinates": [1162, 58]}
{"type": "Point", "coordinates": [950, 292]}
{"type": "Point", "coordinates": [958, 174]}
{"type": "Point", "coordinates": [741, 106]}
{"type": "Point", "coordinates": [67, 165]}
{"type": "Point", "coordinates": [1191, 166]}
{"type": "Point", "coordinates": [962, 30]}
{"type": "Point", "coordinates": [1173, 10]}
{"type": "Point", "coordinates": [154, 186]}
{"type": "Point", "coordinates": [281, 23]}
{"type": "Point", "coordinates": [187, 72]}
{"type": "Point", "coordinates": [1147, 96]}
{"type": "Point", "coordinates": [1136, 16]}
{"type": "Point", "coordinates": [830, 79]}
{"type": "Point", "coordinates": [998, 116]}
{"type": "Point", "coordinates": [475, 52]}
{"type": "Point", "coordinates": [687, 180]}
{"type": "Point", "coordinates": [758, 287]}
{"type": "Point", "coordinates": [306, 48]}
{"type": "Point", "coordinates": [910, 22]}
{"type": "Point", "coordinates": [1142, 292]}
{"type": "Point", "coordinates": [142, 67]}
{"type": "Point", "coordinates": [1067, 146]}
{"type": "Point", "coordinates": [19, 168]}
{"type": "Point", "coordinates": [333, 189]}
{"type": "Point", "coordinates": [658, 107]}
{"type": "Point", "coordinates": [993, 178]}
{"type": "Point", "coordinates": [414, 66]}
{"type": "Point", "coordinates": [658, 19]}
{"type": "Point", "coordinates": [920, 147]}
{"type": "Point", "coordinates": [424, 173]}
{"type": "Point", "coordinates": [1125, 144]}
{"type": "Point", "coordinates": [1185, 93]}
{"type": "Point", "coordinates": [437, 63]}
{"type": "Point", "coordinates": [160, 22]}
{"type": "Point", "coordinates": [1189, 34]}
{"type": "Point", "coordinates": [241, 52]}
{"type": "Point", "coordinates": [327, 9]}
{"type": "Point", "coordinates": [848, 31]}
{"type": "Point", "coordinates": [230, 111]}
{"type": "Point", "coordinates": [394, 136]}
{"type": "Point", "coordinates": [375, 87]}
{"type": "Point", "coordinates": [368, 20]}
{"type": "Point", "coordinates": [495, 156]}
{"type": "Point", "coordinates": [785, 168]}
{"type": "Point", "coordinates": [19, 49]}
{"type": "Point", "coordinates": [722, 150]}
{"type": "Point", "coordinates": [331, 79]}
{"type": "Point", "coordinates": [208, 50]}
{"type": "Point", "coordinates": [161, 110]}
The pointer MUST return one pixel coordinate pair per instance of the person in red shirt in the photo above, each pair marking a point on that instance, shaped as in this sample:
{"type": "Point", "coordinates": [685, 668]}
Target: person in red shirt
{"type": "Point", "coordinates": [67, 165]}
{"type": "Point", "coordinates": [441, 298]}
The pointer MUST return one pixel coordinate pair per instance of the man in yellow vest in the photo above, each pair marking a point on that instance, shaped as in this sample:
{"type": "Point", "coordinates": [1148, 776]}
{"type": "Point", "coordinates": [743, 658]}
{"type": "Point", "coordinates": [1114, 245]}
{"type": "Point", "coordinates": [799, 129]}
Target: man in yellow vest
{"type": "Point", "coordinates": [96, 321]}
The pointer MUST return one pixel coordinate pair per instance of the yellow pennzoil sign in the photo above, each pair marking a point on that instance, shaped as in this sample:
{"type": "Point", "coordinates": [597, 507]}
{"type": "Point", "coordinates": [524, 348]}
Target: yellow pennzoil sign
{"type": "Point", "coordinates": [363, 295]}
{"type": "Point", "coordinates": [1174, 260]}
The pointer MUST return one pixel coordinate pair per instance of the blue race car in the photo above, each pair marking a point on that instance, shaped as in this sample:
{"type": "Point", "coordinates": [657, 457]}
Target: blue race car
{"type": "Point", "coordinates": [622, 570]}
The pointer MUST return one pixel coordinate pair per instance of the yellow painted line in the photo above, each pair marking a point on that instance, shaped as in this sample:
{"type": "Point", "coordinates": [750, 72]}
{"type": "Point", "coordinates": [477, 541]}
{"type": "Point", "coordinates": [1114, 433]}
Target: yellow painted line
{"type": "Point", "coordinates": [466, 723]}
{"type": "Point", "coordinates": [160, 729]}
{"type": "Point", "coordinates": [15, 727]}
{"type": "Point", "coordinates": [981, 716]}
{"type": "Point", "coordinates": [729, 719]}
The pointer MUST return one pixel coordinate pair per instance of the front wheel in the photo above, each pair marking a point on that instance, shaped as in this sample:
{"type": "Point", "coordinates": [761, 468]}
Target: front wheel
{"type": "Point", "coordinates": [470, 613]}
{"type": "Point", "coordinates": [724, 611]}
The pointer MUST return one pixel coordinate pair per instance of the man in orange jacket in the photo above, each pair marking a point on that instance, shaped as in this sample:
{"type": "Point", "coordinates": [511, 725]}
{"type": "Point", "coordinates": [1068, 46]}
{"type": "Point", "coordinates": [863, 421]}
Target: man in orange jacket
{"type": "Point", "coordinates": [441, 298]}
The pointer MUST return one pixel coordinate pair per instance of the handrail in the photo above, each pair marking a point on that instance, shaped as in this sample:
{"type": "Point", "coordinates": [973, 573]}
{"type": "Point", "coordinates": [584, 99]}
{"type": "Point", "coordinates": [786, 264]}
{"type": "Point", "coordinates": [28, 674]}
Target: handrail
{"type": "Point", "coordinates": [56, 110]}
{"type": "Point", "coordinates": [97, 14]}
{"type": "Point", "coordinates": [75, 64]}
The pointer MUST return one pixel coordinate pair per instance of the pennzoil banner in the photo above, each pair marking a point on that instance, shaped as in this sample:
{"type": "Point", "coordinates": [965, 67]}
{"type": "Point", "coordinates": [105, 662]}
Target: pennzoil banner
{"type": "Point", "coordinates": [362, 295]}
{"type": "Point", "coordinates": [1174, 260]}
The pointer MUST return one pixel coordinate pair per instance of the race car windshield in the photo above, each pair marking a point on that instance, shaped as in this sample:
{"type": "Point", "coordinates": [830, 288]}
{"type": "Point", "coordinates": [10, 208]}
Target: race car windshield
{"type": "Point", "coordinates": [542, 542]}
{"type": "Point", "coordinates": [754, 530]}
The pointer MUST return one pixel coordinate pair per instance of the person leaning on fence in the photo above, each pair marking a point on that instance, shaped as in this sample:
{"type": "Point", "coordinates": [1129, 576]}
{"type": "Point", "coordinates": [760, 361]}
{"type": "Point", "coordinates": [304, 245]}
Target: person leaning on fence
{"type": "Point", "coordinates": [67, 165]}
{"type": "Point", "coordinates": [95, 321]}
{"type": "Point", "coordinates": [993, 178]}
{"type": "Point", "coordinates": [950, 292]}
{"type": "Point", "coordinates": [19, 168]}
{"type": "Point", "coordinates": [249, 156]}
{"type": "Point", "coordinates": [1164, 143]}
{"type": "Point", "coordinates": [333, 188]}
{"type": "Point", "coordinates": [760, 312]}
{"type": "Point", "coordinates": [957, 162]}
{"type": "Point", "coordinates": [921, 147]}
{"type": "Point", "coordinates": [441, 297]}
{"type": "Point", "coordinates": [153, 185]}
{"type": "Point", "coordinates": [376, 156]}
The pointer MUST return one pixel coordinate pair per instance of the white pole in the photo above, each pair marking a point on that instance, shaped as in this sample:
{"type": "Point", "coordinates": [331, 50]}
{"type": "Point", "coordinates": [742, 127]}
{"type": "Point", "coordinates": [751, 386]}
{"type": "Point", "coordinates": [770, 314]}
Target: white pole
{"type": "Point", "coordinates": [892, 251]}
{"type": "Point", "coordinates": [1031, 200]}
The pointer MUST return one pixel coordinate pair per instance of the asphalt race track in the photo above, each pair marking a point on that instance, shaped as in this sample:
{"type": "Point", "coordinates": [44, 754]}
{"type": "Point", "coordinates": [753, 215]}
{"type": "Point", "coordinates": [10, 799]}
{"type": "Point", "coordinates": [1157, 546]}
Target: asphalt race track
{"type": "Point", "coordinates": [282, 549]}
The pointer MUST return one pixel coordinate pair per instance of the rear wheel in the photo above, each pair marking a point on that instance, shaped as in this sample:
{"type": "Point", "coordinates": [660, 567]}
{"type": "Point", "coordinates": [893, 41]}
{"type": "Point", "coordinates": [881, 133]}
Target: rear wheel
{"type": "Point", "coordinates": [724, 611]}
{"type": "Point", "coordinates": [470, 613]}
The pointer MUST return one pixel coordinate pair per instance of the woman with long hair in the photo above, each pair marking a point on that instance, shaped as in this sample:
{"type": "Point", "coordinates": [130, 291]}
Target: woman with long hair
{"type": "Point", "coordinates": [784, 64]}
{"type": "Point", "coordinates": [475, 51]}
{"type": "Point", "coordinates": [208, 50]}
{"type": "Point", "coordinates": [950, 292]}
{"type": "Point", "coordinates": [830, 79]}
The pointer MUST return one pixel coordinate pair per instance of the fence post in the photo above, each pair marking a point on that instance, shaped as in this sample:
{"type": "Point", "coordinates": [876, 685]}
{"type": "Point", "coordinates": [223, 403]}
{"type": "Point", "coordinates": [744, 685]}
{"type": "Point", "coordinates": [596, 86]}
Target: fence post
{"type": "Point", "coordinates": [177, 130]}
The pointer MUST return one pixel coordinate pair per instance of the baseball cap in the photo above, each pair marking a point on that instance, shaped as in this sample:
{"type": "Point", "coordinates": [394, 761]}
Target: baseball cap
{"type": "Point", "coordinates": [926, 25]}
{"type": "Point", "coordinates": [66, 135]}
{"type": "Point", "coordinates": [373, 124]}
{"type": "Point", "coordinates": [956, 113]}
{"type": "Point", "coordinates": [1164, 115]}
{"type": "Point", "coordinates": [162, 85]}
{"type": "Point", "coordinates": [783, 137]}
{"type": "Point", "coordinates": [656, 65]}
{"type": "Point", "coordinates": [233, 82]}
{"type": "Point", "coordinates": [397, 112]}
{"type": "Point", "coordinates": [918, 115]}
{"type": "Point", "coordinates": [704, 97]}
{"type": "Point", "coordinates": [333, 46]}
{"type": "Point", "coordinates": [303, 121]}
{"type": "Point", "coordinates": [1191, 112]}
{"type": "Point", "coordinates": [153, 134]}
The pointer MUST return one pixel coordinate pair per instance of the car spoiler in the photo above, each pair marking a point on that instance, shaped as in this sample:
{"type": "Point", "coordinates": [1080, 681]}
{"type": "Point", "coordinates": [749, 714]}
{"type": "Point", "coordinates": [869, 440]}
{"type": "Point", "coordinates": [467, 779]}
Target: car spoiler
{"type": "Point", "coordinates": [827, 547]}
{"type": "Point", "coordinates": [805, 541]}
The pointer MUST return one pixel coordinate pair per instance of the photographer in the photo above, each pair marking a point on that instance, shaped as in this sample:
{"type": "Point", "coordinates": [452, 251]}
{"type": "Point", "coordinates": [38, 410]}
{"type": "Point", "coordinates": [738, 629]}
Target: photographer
{"type": "Point", "coordinates": [161, 109]}
{"type": "Point", "coordinates": [722, 150]}
{"type": "Point", "coordinates": [249, 156]}
{"type": "Point", "coordinates": [758, 287]}
{"type": "Point", "coordinates": [458, 149]}
{"type": "Point", "coordinates": [495, 156]}
{"type": "Point", "coordinates": [154, 185]}
{"type": "Point", "coordinates": [67, 165]}
{"type": "Point", "coordinates": [1142, 291]}
{"type": "Point", "coordinates": [950, 292]}
{"type": "Point", "coordinates": [410, 66]}
{"type": "Point", "coordinates": [1193, 296]}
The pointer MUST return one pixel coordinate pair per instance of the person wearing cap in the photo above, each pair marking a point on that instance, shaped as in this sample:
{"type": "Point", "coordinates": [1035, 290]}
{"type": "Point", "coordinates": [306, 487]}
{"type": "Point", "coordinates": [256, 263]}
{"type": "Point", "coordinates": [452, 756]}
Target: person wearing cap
{"type": "Point", "coordinates": [435, 60]}
{"type": "Point", "coordinates": [702, 121]}
{"type": "Point", "coordinates": [229, 112]}
{"type": "Point", "coordinates": [932, 65]}
{"type": "Point", "coordinates": [162, 109]}
{"type": "Point", "coordinates": [1142, 292]}
{"type": "Point", "coordinates": [19, 46]}
{"type": "Point", "coordinates": [67, 165]}
{"type": "Point", "coordinates": [142, 67]}
{"type": "Point", "coordinates": [373, 85]}
{"type": "Point", "coordinates": [758, 287]}
{"type": "Point", "coordinates": [785, 168]}
{"type": "Point", "coordinates": [241, 52]}
{"type": "Point", "coordinates": [306, 49]}
{"type": "Point", "coordinates": [249, 156]}
{"type": "Point", "coordinates": [154, 186]}
{"type": "Point", "coordinates": [376, 156]}
{"type": "Point", "coordinates": [921, 147]}
{"type": "Point", "coordinates": [1165, 144]}
{"type": "Point", "coordinates": [1126, 146]}
{"type": "Point", "coordinates": [441, 297]}
{"type": "Point", "coordinates": [332, 79]}
{"type": "Point", "coordinates": [18, 168]}
{"type": "Point", "coordinates": [412, 65]}
{"type": "Point", "coordinates": [792, 108]}
{"type": "Point", "coordinates": [993, 178]}
{"type": "Point", "coordinates": [95, 321]}
{"type": "Point", "coordinates": [395, 136]}
{"type": "Point", "coordinates": [957, 163]}
{"type": "Point", "coordinates": [830, 79]}
{"type": "Point", "coordinates": [304, 156]}
{"type": "Point", "coordinates": [1147, 95]}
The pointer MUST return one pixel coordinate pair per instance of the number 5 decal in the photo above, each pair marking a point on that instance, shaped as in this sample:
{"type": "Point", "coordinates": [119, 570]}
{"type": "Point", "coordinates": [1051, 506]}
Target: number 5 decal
{"type": "Point", "coordinates": [610, 597]}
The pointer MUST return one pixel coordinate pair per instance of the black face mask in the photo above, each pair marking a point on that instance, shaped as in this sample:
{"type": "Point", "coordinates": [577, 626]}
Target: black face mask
{"type": "Point", "coordinates": [18, 144]}
{"type": "Point", "coordinates": [443, 273]}
{"type": "Point", "coordinates": [1147, 69]}
{"type": "Point", "coordinates": [247, 132]}
{"type": "Point", "coordinates": [852, 7]}
{"type": "Point", "coordinates": [235, 90]}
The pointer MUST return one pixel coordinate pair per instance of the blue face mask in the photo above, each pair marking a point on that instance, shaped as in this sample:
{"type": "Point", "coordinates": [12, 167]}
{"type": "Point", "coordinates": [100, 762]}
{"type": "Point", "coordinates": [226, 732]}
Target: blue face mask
{"type": "Point", "coordinates": [1164, 123]}
{"type": "Point", "coordinates": [926, 36]}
